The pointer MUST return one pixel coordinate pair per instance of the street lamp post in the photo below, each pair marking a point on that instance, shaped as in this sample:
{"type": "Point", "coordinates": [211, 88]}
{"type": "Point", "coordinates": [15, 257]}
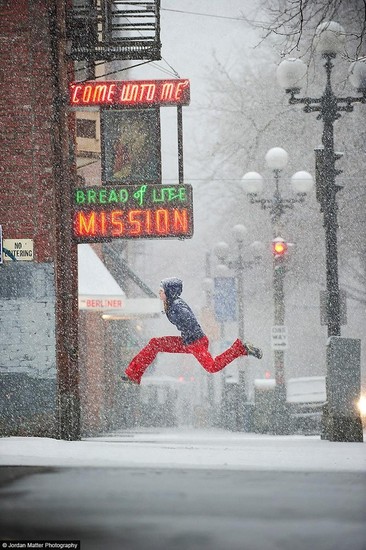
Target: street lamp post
{"type": "Point", "coordinates": [208, 288]}
{"type": "Point", "coordinates": [239, 265]}
{"type": "Point", "coordinates": [223, 272]}
{"type": "Point", "coordinates": [329, 41]}
{"type": "Point", "coordinates": [302, 183]}
{"type": "Point", "coordinates": [290, 73]}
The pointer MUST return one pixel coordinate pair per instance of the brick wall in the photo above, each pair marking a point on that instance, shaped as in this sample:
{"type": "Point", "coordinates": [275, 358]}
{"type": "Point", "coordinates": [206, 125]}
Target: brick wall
{"type": "Point", "coordinates": [27, 211]}
{"type": "Point", "coordinates": [29, 326]}
{"type": "Point", "coordinates": [26, 172]}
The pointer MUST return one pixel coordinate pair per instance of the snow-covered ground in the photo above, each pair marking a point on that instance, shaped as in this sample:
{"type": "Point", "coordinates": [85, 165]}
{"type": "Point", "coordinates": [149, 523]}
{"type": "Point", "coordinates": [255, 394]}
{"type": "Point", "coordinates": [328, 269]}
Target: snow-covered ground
{"type": "Point", "coordinates": [186, 490]}
{"type": "Point", "coordinates": [168, 448]}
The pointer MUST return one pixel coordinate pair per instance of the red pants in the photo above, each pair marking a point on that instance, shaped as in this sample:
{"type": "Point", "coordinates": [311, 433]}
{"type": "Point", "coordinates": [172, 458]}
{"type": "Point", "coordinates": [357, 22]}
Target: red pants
{"type": "Point", "coordinates": [174, 344]}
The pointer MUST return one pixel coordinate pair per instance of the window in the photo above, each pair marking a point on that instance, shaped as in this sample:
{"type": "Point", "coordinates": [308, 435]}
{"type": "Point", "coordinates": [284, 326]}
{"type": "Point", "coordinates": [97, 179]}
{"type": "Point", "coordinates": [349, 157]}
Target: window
{"type": "Point", "coordinates": [86, 128]}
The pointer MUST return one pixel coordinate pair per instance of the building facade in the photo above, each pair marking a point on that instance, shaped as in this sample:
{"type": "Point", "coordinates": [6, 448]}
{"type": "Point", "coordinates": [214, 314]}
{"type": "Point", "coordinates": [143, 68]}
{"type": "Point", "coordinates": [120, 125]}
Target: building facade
{"type": "Point", "coordinates": [27, 210]}
{"type": "Point", "coordinates": [56, 377]}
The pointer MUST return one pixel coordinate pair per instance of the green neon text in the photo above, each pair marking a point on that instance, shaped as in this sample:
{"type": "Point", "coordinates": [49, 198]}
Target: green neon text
{"type": "Point", "coordinates": [101, 196]}
{"type": "Point", "coordinates": [167, 194]}
{"type": "Point", "coordinates": [141, 195]}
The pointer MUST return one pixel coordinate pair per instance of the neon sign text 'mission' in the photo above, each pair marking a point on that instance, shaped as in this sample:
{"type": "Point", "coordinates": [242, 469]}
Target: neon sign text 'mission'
{"type": "Point", "coordinates": [132, 223]}
{"type": "Point", "coordinates": [130, 93]}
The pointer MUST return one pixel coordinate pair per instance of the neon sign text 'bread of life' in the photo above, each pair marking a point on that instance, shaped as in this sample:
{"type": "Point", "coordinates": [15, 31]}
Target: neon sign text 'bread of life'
{"type": "Point", "coordinates": [133, 211]}
{"type": "Point", "coordinates": [130, 93]}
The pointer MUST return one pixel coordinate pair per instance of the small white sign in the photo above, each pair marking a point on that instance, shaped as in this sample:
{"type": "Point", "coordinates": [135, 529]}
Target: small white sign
{"type": "Point", "coordinates": [101, 303]}
{"type": "Point", "coordinates": [21, 249]}
{"type": "Point", "coordinates": [279, 337]}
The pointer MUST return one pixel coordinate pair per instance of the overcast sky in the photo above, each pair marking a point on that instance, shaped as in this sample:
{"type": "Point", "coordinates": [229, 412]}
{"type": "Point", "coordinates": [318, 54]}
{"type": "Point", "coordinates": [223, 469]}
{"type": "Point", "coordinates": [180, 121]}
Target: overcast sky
{"type": "Point", "coordinates": [189, 43]}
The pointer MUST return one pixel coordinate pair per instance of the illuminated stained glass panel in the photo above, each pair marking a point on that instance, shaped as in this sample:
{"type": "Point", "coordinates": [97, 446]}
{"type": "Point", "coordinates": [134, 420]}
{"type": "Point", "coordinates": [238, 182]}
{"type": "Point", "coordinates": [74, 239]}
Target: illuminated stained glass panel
{"type": "Point", "coordinates": [131, 145]}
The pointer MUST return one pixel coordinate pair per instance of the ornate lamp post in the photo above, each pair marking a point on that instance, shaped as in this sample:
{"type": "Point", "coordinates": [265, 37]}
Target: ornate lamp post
{"type": "Point", "coordinates": [302, 183]}
{"type": "Point", "coordinates": [238, 264]}
{"type": "Point", "coordinates": [329, 41]}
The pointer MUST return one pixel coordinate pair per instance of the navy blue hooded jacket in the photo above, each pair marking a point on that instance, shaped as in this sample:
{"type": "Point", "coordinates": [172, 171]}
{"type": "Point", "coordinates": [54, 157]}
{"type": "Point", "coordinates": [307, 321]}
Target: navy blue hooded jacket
{"type": "Point", "coordinates": [179, 313]}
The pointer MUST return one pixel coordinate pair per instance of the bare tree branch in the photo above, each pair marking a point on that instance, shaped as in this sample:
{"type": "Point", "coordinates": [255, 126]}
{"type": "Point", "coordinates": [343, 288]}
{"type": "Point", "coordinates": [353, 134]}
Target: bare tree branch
{"type": "Point", "coordinates": [295, 22]}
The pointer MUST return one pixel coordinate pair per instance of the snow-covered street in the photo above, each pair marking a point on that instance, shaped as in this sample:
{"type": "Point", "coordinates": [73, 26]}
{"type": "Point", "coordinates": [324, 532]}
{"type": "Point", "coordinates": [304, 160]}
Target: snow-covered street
{"type": "Point", "coordinates": [172, 448]}
{"type": "Point", "coordinates": [185, 490]}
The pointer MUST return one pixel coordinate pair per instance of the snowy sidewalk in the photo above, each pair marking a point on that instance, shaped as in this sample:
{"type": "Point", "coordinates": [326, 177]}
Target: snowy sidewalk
{"type": "Point", "coordinates": [177, 448]}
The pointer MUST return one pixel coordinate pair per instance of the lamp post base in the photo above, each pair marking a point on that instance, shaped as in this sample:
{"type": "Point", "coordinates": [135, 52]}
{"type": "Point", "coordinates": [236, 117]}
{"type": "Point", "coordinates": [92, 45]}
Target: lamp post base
{"type": "Point", "coordinates": [337, 427]}
{"type": "Point", "coordinates": [281, 416]}
{"type": "Point", "coordinates": [341, 419]}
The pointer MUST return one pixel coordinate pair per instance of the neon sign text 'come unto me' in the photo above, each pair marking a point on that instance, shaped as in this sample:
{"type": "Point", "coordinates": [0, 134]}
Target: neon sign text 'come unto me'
{"type": "Point", "coordinates": [130, 93]}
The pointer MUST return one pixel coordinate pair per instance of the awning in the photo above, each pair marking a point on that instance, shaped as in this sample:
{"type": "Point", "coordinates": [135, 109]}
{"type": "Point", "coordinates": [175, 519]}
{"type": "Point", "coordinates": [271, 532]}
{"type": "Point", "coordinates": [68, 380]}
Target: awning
{"type": "Point", "coordinates": [99, 291]}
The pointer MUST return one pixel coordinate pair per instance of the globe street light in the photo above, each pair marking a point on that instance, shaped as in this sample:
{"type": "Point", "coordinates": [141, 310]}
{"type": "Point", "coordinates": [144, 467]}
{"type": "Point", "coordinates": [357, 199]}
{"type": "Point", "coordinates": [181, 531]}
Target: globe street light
{"type": "Point", "coordinates": [252, 183]}
{"type": "Point", "coordinates": [222, 251]}
{"type": "Point", "coordinates": [329, 41]}
{"type": "Point", "coordinates": [302, 183]}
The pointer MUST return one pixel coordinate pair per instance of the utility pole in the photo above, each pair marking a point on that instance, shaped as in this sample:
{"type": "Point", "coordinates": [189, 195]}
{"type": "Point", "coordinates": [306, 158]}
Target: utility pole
{"type": "Point", "coordinates": [280, 420]}
{"type": "Point", "coordinates": [66, 274]}
{"type": "Point", "coordinates": [243, 392]}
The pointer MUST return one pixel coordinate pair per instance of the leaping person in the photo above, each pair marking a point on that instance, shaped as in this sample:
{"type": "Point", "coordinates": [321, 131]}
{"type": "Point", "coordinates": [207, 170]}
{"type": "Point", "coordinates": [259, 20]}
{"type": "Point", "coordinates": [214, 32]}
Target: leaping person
{"type": "Point", "coordinates": [192, 339]}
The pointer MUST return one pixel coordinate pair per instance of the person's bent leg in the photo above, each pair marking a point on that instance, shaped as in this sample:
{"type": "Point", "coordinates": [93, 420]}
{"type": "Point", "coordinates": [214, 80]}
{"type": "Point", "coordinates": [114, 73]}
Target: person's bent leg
{"type": "Point", "coordinates": [167, 344]}
{"type": "Point", "coordinates": [237, 349]}
{"type": "Point", "coordinates": [200, 350]}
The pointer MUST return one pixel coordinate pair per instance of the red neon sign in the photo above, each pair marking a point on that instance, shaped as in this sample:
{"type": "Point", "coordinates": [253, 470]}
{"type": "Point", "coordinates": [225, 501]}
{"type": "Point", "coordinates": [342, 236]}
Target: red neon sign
{"type": "Point", "coordinates": [130, 93]}
{"type": "Point", "coordinates": [132, 223]}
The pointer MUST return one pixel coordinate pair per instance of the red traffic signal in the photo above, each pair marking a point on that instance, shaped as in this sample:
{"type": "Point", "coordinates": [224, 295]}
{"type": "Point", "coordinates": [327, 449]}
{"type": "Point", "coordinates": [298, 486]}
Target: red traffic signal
{"type": "Point", "coordinates": [279, 247]}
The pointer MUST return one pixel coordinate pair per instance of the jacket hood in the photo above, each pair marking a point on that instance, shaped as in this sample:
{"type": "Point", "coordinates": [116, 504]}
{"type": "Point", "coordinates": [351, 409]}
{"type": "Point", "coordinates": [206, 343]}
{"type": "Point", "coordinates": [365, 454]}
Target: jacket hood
{"type": "Point", "coordinates": [172, 287]}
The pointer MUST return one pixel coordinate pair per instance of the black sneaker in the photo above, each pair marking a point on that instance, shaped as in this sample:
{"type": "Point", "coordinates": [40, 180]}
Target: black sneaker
{"type": "Point", "coordinates": [251, 350]}
{"type": "Point", "coordinates": [128, 380]}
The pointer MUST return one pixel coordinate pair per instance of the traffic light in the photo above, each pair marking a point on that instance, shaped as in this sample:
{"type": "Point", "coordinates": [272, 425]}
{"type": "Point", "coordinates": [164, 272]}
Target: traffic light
{"type": "Point", "coordinates": [279, 247]}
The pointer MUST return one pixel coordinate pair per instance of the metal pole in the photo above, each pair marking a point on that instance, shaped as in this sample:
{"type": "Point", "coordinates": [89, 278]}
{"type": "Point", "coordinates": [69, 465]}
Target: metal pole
{"type": "Point", "coordinates": [222, 376]}
{"type": "Point", "coordinates": [66, 249]}
{"type": "Point", "coordinates": [180, 144]}
{"type": "Point", "coordinates": [280, 421]}
{"type": "Point", "coordinates": [210, 381]}
{"type": "Point", "coordinates": [279, 313]}
{"type": "Point", "coordinates": [329, 114]}
{"type": "Point", "coordinates": [277, 205]}
{"type": "Point", "coordinates": [240, 272]}
{"type": "Point", "coordinates": [242, 397]}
